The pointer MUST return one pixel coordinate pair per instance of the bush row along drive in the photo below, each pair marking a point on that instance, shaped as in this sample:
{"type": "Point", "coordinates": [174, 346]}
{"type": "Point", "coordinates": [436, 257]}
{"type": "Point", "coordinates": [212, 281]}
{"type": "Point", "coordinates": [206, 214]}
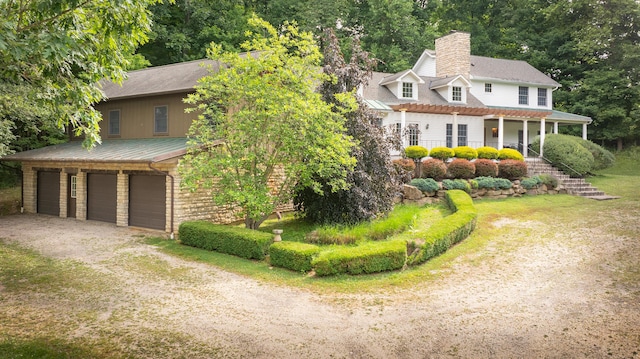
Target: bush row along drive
{"type": "Point", "coordinates": [366, 257]}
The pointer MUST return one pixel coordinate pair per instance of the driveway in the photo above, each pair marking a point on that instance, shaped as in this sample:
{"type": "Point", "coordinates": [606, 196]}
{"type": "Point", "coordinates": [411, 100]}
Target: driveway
{"type": "Point", "coordinates": [552, 299]}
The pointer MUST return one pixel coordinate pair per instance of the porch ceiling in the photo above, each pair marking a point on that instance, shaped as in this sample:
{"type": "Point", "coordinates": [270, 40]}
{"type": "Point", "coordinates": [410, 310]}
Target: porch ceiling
{"type": "Point", "coordinates": [469, 111]}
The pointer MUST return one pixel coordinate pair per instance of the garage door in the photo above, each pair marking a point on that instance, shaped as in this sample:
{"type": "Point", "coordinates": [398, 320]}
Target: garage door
{"type": "Point", "coordinates": [147, 201]}
{"type": "Point", "coordinates": [49, 193]}
{"type": "Point", "coordinates": [102, 197]}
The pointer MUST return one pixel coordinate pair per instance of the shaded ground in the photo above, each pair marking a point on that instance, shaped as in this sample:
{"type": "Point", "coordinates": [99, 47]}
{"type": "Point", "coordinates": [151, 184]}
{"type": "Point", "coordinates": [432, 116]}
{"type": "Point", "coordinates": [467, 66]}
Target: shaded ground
{"type": "Point", "coordinates": [574, 293]}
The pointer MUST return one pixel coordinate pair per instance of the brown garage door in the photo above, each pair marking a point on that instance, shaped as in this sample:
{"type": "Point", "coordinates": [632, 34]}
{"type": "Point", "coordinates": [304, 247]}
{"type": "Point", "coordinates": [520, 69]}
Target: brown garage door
{"type": "Point", "coordinates": [49, 193]}
{"type": "Point", "coordinates": [102, 197]}
{"type": "Point", "coordinates": [147, 201]}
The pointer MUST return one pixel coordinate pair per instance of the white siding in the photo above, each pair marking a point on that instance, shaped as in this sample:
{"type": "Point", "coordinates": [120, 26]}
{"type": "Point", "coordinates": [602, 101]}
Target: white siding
{"type": "Point", "coordinates": [506, 95]}
{"type": "Point", "coordinates": [427, 67]}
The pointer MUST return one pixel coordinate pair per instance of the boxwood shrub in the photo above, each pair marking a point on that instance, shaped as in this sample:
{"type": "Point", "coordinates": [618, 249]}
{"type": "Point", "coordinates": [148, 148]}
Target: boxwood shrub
{"type": "Point", "coordinates": [530, 183]}
{"type": "Point", "coordinates": [567, 154]}
{"type": "Point", "coordinates": [241, 242]}
{"type": "Point", "coordinates": [512, 169]}
{"type": "Point", "coordinates": [425, 184]}
{"type": "Point", "coordinates": [441, 153]}
{"type": "Point", "coordinates": [548, 180]}
{"type": "Point", "coordinates": [510, 154]}
{"type": "Point", "coordinates": [465, 152]}
{"type": "Point", "coordinates": [486, 168]}
{"type": "Point", "coordinates": [296, 256]}
{"type": "Point", "coordinates": [433, 168]}
{"type": "Point", "coordinates": [488, 153]}
{"type": "Point", "coordinates": [448, 231]}
{"type": "Point", "coordinates": [461, 168]}
{"type": "Point", "coordinates": [369, 257]}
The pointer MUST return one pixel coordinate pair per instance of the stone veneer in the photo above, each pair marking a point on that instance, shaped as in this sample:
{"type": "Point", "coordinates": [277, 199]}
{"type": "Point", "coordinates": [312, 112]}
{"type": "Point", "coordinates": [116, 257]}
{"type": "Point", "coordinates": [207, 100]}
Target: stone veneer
{"type": "Point", "coordinates": [453, 55]}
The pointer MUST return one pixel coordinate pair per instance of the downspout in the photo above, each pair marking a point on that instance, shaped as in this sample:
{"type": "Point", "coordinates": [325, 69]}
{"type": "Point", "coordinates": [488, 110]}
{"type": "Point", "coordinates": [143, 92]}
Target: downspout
{"type": "Point", "coordinates": [172, 192]}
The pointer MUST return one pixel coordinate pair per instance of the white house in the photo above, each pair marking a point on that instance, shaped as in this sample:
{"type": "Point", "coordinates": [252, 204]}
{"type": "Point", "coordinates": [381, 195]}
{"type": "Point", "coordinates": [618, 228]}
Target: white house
{"type": "Point", "coordinates": [452, 98]}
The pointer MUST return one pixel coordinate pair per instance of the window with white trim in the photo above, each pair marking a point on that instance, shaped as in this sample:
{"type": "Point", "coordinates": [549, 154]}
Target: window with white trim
{"type": "Point", "coordinates": [542, 97]}
{"type": "Point", "coordinates": [74, 186]}
{"type": "Point", "coordinates": [462, 135]}
{"type": "Point", "coordinates": [456, 93]}
{"type": "Point", "coordinates": [523, 95]}
{"type": "Point", "coordinates": [487, 88]}
{"type": "Point", "coordinates": [414, 134]}
{"type": "Point", "coordinates": [449, 135]}
{"type": "Point", "coordinates": [114, 123]}
{"type": "Point", "coordinates": [407, 89]}
{"type": "Point", "coordinates": [161, 119]}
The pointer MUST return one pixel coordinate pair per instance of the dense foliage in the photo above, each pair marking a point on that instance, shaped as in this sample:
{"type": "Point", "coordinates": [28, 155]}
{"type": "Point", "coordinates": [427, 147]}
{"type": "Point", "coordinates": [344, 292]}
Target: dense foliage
{"type": "Point", "coordinates": [567, 154]}
{"type": "Point", "coordinates": [487, 152]}
{"type": "Point", "coordinates": [465, 152]}
{"type": "Point", "coordinates": [425, 184]}
{"type": "Point", "coordinates": [433, 168]}
{"type": "Point", "coordinates": [52, 55]}
{"type": "Point", "coordinates": [249, 147]}
{"type": "Point", "coordinates": [373, 181]}
{"type": "Point", "coordinates": [486, 168]}
{"type": "Point", "coordinates": [510, 154]}
{"type": "Point", "coordinates": [442, 153]}
{"type": "Point", "coordinates": [461, 168]}
{"type": "Point", "coordinates": [512, 169]}
{"type": "Point", "coordinates": [237, 241]}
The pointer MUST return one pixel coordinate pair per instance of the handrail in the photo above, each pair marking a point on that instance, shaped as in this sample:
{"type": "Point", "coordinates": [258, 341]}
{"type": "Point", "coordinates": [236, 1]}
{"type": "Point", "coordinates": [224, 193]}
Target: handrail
{"type": "Point", "coordinates": [549, 162]}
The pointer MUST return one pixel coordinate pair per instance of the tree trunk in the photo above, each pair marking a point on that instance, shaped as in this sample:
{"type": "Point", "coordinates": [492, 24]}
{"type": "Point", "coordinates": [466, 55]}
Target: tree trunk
{"type": "Point", "coordinates": [253, 223]}
{"type": "Point", "coordinates": [619, 144]}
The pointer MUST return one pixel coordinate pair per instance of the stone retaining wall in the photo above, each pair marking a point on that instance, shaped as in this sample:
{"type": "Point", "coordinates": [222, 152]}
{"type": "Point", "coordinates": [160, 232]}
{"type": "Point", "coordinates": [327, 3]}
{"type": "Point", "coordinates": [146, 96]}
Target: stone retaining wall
{"type": "Point", "coordinates": [411, 194]}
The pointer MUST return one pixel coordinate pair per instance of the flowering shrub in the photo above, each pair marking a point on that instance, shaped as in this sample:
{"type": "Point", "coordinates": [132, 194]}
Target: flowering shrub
{"type": "Point", "coordinates": [486, 168]}
{"type": "Point", "coordinates": [487, 152]}
{"type": "Point", "coordinates": [442, 153]}
{"type": "Point", "coordinates": [461, 168]}
{"type": "Point", "coordinates": [512, 169]}
{"type": "Point", "coordinates": [433, 168]}
{"type": "Point", "coordinates": [510, 154]}
{"type": "Point", "coordinates": [465, 152]}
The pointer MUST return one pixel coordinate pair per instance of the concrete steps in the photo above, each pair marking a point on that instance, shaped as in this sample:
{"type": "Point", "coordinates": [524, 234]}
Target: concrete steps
{"type": "Point", "coordinates": [574, 186]}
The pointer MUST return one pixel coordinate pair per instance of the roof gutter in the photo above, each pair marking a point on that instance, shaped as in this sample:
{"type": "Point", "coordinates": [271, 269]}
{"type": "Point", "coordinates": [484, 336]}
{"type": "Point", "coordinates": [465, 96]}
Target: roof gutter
{"type": "Point", "coordinates": [172, 193]}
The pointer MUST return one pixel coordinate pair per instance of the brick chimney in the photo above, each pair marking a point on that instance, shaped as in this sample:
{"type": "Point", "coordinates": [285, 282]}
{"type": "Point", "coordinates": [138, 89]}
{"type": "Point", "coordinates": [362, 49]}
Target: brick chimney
{"type": "Point", "coordinates": [453, 54]}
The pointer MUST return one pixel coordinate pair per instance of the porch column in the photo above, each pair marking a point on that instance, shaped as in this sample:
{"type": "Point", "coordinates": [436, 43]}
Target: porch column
{"type": "Point", "coordinates": [81, 195]}
{"type": "Point", "coordinates": [64, 201]}
{"type": "Point", "coordinates": [403, 126]}
{"type": "Point", "coordinates": [500, 132]}
{"type": "Point", "coordinates": [542, 130]}
{"type": "Point", "coordinates": [525, 138]}
{"type": "Point", "coordinates": [122, 199]}
{"type": "Point", "coordinates": [584, 131]}
{"type": "Point", "coordinates": [555, 127]}
{"type": "Point", "coordinates": [454, 130]}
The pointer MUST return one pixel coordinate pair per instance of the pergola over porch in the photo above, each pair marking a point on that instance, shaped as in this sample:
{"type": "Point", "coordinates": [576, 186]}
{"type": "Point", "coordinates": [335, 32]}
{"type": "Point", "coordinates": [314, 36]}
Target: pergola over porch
{"type": "Point", "coordinates": [501, 114]}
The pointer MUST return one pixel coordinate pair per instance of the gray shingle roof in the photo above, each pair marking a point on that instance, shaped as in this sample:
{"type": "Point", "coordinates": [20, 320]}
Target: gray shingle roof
{"type": "Point", "coordinates": [134, 150]}
{"type": "Point", "coordinates": [508, 70]}
{"type": "Point", "coordinates": [174, 78]}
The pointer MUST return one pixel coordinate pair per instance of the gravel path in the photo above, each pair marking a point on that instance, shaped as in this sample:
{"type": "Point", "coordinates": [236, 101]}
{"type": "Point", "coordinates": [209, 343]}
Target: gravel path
{"type": "Point", "coordinates": [569, 296]}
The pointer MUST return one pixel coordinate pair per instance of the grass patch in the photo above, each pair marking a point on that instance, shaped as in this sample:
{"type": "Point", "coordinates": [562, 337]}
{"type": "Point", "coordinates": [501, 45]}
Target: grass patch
{"type": "Point", "coordinates": [10, 199]}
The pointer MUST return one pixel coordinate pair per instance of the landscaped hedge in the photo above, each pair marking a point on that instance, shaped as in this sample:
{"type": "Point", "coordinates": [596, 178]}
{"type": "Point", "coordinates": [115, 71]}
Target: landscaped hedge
{"type": "Point", "coordinates": [296, 256]}
{"type": "Point", "coordinates": [425, 184]}
{"type": "Point", "coordinates": [510, 154]}
{"type": "Point", "coordinates": [241, 242]}
{"type": "Point", "coordinates": [461, 168]}
{"type": "Point", "coordinates": [442, 153]}
{"type": "Point", "coordinates": [369, 257]}
{"type": "Point", "coordinates": [466, 152]}
{"type": "Point", "coordinates": [448, 231]}
{"type": "Point", "coordinates": [433, 168]}
{"type": "Point", "coordinates": [486, 167]}
{"type": "Point", "coordinates": [512, 169]}
{"type": "Point", "coordinates": [487, 152]}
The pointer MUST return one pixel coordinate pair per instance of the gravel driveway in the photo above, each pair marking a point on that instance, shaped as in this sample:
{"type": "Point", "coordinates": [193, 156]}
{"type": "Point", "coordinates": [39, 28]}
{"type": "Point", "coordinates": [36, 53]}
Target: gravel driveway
{"type": "Point", "coordinates": [552, 299]}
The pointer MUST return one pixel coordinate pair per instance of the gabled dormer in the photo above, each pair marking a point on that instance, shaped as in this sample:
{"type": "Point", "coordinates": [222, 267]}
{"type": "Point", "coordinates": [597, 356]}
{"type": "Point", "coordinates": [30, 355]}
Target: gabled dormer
{"type": "Point", "coordinates": [404, 85]}
{"type": "Point", "coordinates": [426, 64]}
{"type": "Point", "coordinates": [453, 89]}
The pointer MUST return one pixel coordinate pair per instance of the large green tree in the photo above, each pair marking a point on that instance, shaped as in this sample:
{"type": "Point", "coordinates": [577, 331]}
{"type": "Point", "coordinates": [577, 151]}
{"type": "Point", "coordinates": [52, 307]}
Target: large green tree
{"type": "Point", "coordinates": [373, 181]}
{"type": "Point", "coordinates": [55, 52]}
{"type": "Point", "coordinates": [263, 128]}
{"type": "Point", "coordinates": [183, 30]}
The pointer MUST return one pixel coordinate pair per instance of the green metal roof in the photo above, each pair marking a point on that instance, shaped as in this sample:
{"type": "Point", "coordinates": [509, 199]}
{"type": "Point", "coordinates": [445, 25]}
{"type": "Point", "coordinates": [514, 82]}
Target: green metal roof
{"type": "Point", "coordinates": [133, 150]}
{"type": "Point", "coordinates": [565, 116]}
{"type": "Point", "coordinates": [378, 105]}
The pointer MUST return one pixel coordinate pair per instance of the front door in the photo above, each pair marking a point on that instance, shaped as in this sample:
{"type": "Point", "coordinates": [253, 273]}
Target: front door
{"type": "Point", "coordinates": [71, 195]}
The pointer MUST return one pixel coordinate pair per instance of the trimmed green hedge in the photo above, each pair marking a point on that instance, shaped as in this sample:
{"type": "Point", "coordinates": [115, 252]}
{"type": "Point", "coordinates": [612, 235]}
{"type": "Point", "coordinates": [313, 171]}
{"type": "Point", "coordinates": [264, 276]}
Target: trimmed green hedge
{"type": "Point", "coordinates": [296, 256]}
{"type": "Point", "coordinates": [487, 152]}
{"type": "Point", "coordinates": [241, 242]}
{"type": "Point", "coordinates": [369, 257]}
{"type": "Point", "coordinates": [466, 152]}
{"type": "Point", "coordinates": [446, 232]}
{"type": "Point", "coordinates": [442, 153]}
{"type": "Point", "coordinates": [416, 152]}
